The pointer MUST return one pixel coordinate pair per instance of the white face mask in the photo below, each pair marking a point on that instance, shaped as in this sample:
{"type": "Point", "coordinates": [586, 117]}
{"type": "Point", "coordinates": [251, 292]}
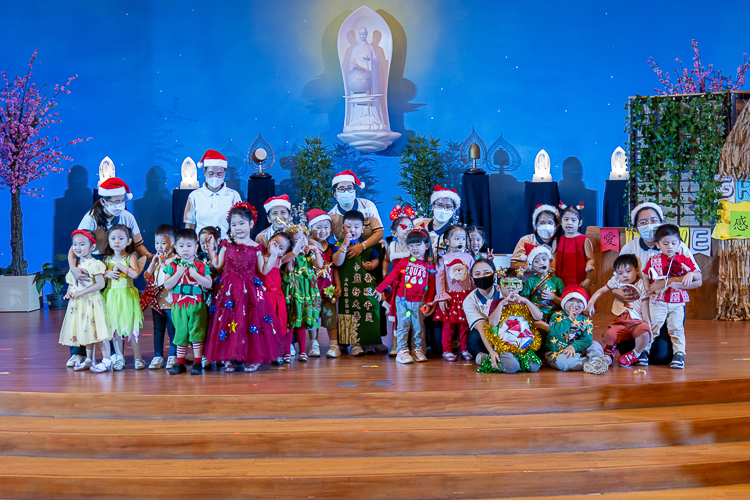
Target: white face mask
{"type": "Point", "coordinates": [546, 231]}
{"type": "Point", "coordinates": [647, 231]}
{"type": "Point", "coordinates": [214, 182]}
{"type": "Point", "coordinates": [442, 215]}
{"type": "Point", "coordinates": [346, 199]}
{"type": "Point", "coordinates": [115, 209]}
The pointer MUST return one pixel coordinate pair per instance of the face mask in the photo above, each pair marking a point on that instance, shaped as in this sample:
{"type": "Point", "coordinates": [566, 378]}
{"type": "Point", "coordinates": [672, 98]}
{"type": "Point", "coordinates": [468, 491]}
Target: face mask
{"type": "Point", "coordinates": [647, 232]}
{"type": "Point", "coordinates": [484, 282]}
{"type": "Point", "coordinates": [546, 231]}
{"type": "Point", "coordinates": [115, 210]}
{"type": "Point", "coordinates": [442, 215]}
{"type": "Point", "coordinates": [214, 182]}
{"type": "Point", "coordinates": [346, 199]}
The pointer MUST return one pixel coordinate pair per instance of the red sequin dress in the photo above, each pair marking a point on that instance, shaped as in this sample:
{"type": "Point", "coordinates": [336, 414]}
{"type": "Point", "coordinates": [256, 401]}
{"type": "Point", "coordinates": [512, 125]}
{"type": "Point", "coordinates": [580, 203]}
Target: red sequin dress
{"type": "Point", "coordinates": [241, 330]}
{"type": "Point", "coordinates": [274, 298]}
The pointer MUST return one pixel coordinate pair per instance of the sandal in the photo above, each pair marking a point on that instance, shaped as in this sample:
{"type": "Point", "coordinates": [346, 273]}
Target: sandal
{"type": "Point", "coordinates": [287, 358]}
{"type": "Point", "coordinates": [139, 364]}
{"type": "Point", "coordinates": [228, 366]}
{"type": "Point", "coordinates": [251, 368]}
{"type": "Point", "coordinates": [102, 367]}
{"type": "Point", "coordinates": [302, 357]}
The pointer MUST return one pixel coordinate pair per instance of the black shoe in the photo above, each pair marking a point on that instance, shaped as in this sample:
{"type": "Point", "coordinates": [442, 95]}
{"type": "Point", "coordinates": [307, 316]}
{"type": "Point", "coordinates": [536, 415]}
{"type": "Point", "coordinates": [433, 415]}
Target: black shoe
{"type": "Point", "coordinates": [177, 369]}
{"type": "Point", "coordinates": [197, 369]}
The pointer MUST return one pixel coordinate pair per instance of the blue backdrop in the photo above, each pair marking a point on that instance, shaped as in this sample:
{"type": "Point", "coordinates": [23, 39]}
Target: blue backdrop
{"type": "Point", "coordinates": [162, 80]}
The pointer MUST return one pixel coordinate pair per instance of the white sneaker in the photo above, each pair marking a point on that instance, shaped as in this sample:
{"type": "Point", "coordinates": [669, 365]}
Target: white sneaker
{"type": "Point", "coordinates": [315, 349]}
{"type": "Point", "coordinates": [74, 360]}
{"type": "Point", "coordinates": [419, 356]}
{"type": "Point", "coordinates": [292, 350]}
{"type": "Point", "coordinates": [171, 361]}
{"type": "Point", "coordinates": [404, 358]}
{"type": "Point", "coordinates": [139, 364]}
{"type": "Point", "coordinates": [156, 363]}
{"type": "Point", "coordinates": [356, 350]}
{"type": "Point", "coordinates": [333, 351]}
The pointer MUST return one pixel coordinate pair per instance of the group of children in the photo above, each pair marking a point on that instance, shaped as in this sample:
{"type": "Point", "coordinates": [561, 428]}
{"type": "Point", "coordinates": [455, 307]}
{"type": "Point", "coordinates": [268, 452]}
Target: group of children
{"type": "Point", "coordinates": [242, 303]}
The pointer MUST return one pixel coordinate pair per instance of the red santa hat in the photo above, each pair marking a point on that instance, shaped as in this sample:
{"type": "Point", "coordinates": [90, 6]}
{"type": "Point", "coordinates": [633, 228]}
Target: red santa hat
{"type": "Point", "coordinates": [316, 215]}
{"type": "Point", "coordinates": [543, 208]}
{"type": "Point", "coordinates": [441, 192]}
{"type": "Point", "coordinates": [574, 292]}
{"type": "Point", "coordinates": [455, 262]}
{"type": "Point", "coordinates": [347, 176]}
{"type": "Point", "coordinates": [114, 187]}
{"type": "Point", "coordinates": [653, 206]}
{"type": "Point", "coordinates": [212, 158]}
{"type": "Point", "coordinates": [536, 251]}
{"type": "Point", "coordinates": [278, 201]}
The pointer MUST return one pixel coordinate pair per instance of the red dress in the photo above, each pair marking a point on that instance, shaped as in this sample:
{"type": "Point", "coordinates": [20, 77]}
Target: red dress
{"type": "Point", "coordinates": [240, 330]}
{"type": "Point", "coordinates": [277, 303]}
{"type": "Point", "coordinates": [571, 260]}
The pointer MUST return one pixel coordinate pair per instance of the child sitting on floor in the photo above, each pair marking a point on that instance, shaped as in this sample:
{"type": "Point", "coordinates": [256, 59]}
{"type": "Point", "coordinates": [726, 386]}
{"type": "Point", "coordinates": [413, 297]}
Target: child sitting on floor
{"type": "Point", "coordinates": [632, 318]}
{"type": "Point", "coordinates": [510, 329]}
{"type": "Point", "coordinates": [570, 343]}
{"type": "Point", "coordinates": [669, 304]}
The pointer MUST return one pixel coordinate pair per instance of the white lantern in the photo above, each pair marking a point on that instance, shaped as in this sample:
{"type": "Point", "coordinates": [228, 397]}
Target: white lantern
{"type": "Point", "coordinates": [619, 165]}
{"type": "Point", "coordinates": [106, 170]}
{"type": "Point", "coordinates": [541, 167]}
{"type": "Point", "coordinates": [189, 174]}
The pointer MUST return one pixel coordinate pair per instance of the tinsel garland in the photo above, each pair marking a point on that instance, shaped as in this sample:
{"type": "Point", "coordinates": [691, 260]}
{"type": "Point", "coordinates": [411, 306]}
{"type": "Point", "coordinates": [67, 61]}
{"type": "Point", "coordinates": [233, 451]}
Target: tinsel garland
{"type": "Point", "coordinates": [490, 332]}
{"type": "Point", "coordinates": [733, 295]}
{"type": "Point", "coordinates": [525, 360]}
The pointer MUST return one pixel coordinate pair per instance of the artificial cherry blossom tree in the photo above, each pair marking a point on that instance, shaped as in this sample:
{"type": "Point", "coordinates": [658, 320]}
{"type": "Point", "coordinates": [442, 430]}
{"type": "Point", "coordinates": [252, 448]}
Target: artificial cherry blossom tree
{"type": "Point", "coordinates": [26, 155]}
{"type": "Point", "coordinates": [698, 79]}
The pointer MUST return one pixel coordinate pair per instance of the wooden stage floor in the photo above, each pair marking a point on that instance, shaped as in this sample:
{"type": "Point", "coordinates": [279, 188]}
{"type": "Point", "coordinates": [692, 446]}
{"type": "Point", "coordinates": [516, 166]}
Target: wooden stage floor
{"type": "Point", "coordinates": [441, 430]}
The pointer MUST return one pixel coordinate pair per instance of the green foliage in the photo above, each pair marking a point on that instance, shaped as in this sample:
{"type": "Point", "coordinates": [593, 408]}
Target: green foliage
{"type": "Point", "coordinates": [678, 143]}
{"type": "Point", "coordinates": [421, 169]}
{"type": "Point", "coordinates": [454, 167]}
{"type": "Point", "coordinates": [52, 275]}
{"type": "Point", "coordinates": [312, 173]}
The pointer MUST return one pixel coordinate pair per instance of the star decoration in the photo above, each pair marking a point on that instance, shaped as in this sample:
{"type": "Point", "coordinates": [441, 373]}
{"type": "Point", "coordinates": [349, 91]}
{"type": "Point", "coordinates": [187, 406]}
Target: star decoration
{"type": "Point", "coordinates": [233, 326]}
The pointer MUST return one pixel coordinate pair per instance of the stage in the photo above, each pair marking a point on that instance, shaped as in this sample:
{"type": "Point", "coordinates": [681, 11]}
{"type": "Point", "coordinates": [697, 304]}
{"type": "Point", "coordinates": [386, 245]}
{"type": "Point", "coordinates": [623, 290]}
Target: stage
{"type": "Point", "coordinates": [431, 430]}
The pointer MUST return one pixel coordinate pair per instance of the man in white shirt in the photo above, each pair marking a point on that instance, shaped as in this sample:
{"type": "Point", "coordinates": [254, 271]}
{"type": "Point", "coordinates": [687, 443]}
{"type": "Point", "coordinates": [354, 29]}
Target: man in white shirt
{"type": "Point", "coordinates": [279, 213]}
{"type": "Point", "coordinates": [210, 204]}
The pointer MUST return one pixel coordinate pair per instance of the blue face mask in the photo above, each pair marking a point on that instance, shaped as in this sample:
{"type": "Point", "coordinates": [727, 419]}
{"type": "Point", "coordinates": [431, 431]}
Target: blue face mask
{"type": "Point", "coordinates": [647, 232]}
{"type": "Point", "coordinates": [346, 199]}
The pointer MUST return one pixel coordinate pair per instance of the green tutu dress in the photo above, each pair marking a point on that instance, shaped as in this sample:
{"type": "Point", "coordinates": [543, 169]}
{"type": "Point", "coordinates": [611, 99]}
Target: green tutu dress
{"type": "Point", "coordinates": [302, 294]}
{"type": "Point", "coordinates": [122, 303]}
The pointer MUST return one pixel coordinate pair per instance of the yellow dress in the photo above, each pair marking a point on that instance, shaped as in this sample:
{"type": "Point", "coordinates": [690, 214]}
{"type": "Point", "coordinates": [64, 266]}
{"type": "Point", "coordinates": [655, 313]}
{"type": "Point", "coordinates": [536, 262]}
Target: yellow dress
{"type": "Point", "coordinates": [85, 320]}
{"type": "Point", "coordinates": [122, 303]}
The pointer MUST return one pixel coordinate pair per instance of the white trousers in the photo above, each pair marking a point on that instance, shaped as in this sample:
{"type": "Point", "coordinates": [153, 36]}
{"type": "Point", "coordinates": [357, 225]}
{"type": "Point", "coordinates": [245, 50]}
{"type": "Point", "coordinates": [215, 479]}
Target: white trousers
{"type": "Point", "coordinates": [674, 316]}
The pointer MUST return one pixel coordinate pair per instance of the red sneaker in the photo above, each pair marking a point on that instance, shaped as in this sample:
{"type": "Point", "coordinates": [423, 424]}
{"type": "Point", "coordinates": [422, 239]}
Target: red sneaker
{"type": "Point", "coordinates": [610, 350]}
{"type": "Point", "coordinates": [628, 359]}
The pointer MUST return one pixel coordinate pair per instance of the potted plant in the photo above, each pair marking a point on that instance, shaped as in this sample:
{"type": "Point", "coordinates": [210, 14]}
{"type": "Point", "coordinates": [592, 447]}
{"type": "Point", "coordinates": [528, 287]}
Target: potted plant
{"type": "Point", "coordinates": [55, 276]}
{"type": "Point", "coordinates": [26, 155]}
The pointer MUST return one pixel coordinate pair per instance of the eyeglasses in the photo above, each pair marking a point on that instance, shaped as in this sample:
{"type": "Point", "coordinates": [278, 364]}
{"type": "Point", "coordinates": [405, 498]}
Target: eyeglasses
{"type": "Point", "coordinates": [444, 207]}
{"type": "Point", "coordinates": [646, 222]}
{"type": "Point", "coordinates": [349, 189]}
{"type": "Point", "coordinates": [511, 284]}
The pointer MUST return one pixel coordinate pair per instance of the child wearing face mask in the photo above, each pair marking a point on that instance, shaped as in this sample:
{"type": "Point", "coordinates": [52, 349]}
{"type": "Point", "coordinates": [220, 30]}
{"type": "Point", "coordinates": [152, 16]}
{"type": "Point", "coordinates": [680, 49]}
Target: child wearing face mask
{"type": "Point", "coordinates": [244, 328]}
{"type": "Point", "coordinates": [320, 224]}
{"type": "Point", "coordinates": [669, 304]}
{"type": "Point", "coordinates": [415, 276]}
{"type": "Point", "coordinates": [478, 243]}
{"type": "Point", "coordinates": [359, 310]}
{"type": "Point", "coordinates": [570, 343]}
{"type": "Point", "coordinates": [510, 329]}
{"type": "Point", "coordinates": [545, 221]}
{"type": "Point", "coordinates": [453, 284]}
{"type": "Point", "coordinates": [401, 226]}
{"type": "Point", "coordinates": [543, 288]}
{"type": "Point", "coordinates": [633, 321]}
{"type": "Point", "coordinates": [575, 252]}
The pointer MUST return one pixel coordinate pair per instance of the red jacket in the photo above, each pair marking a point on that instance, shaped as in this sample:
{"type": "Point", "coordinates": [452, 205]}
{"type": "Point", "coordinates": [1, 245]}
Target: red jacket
{"type": "Point", "coordinates": [416, 280]}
